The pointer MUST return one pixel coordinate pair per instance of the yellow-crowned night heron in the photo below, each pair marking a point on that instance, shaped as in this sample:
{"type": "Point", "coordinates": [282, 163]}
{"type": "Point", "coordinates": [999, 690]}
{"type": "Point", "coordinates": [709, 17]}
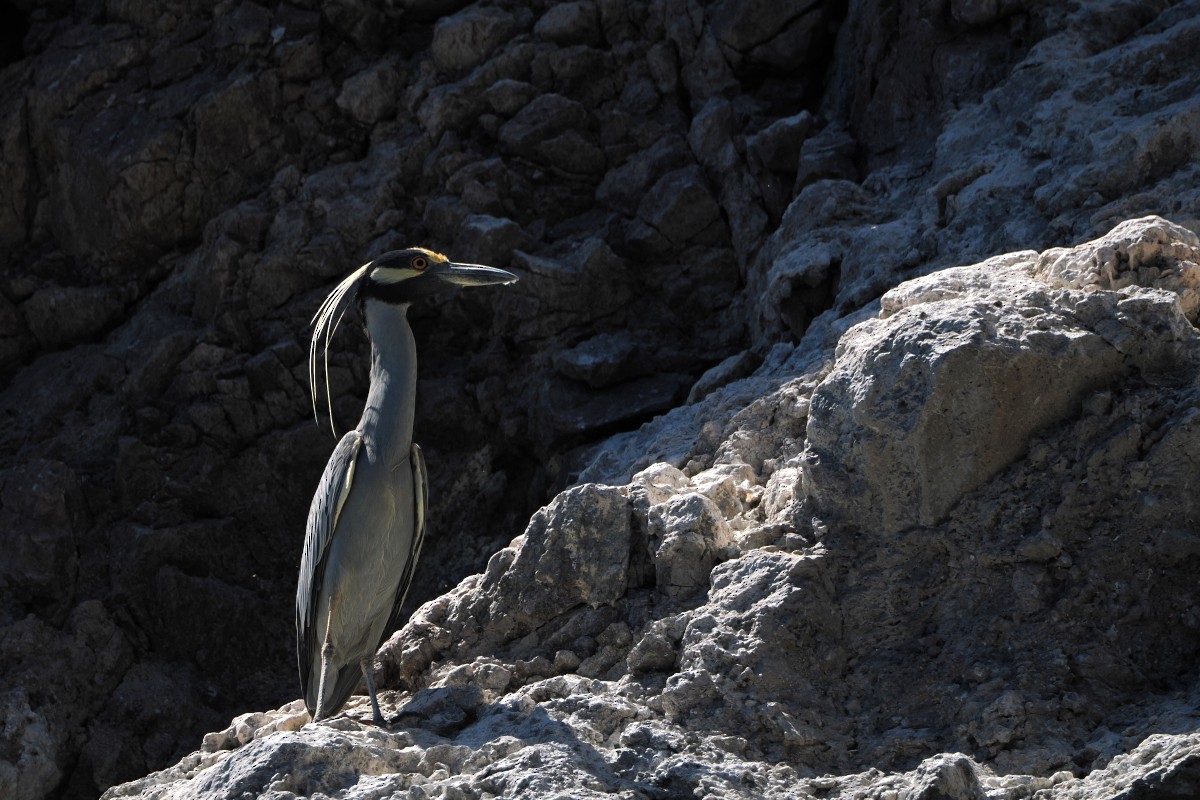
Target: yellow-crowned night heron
{"type": "Point", "coordinates": [367, 518]}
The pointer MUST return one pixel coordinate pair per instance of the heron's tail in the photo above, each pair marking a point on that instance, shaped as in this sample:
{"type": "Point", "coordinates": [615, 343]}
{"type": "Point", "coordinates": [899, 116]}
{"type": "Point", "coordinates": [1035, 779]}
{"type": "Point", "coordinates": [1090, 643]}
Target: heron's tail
{"type": "Point", "coordinates": [327, 695]}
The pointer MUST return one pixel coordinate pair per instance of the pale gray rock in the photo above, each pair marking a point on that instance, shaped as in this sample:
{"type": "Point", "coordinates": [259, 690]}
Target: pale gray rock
{"type": "Point", "coordinates": [688, 533]}
{"type": "Point", "coordinates": [789, 655]}
{"type": "Point", "coordinates": [1161, 766]}
{"type": "Point", "coordinates": [1005, 324]}
{"type": "Point", "coordinates": [948, 777]}
{"type": "Point", "coordinates": [1152, 253]}
{"type": "Point", "coordinates": [1039, 365]}
{"type": "Point", "coordinates": [686, 434]}
{"type": "Point", "coordinates": [560, 579]}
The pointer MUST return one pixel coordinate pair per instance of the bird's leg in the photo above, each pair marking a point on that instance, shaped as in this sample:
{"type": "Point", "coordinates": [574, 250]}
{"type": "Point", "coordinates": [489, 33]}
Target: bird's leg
{"type": "Point", "coordinates": [326, 662]}
{"type": "Point", "coordinates": [368, 671]}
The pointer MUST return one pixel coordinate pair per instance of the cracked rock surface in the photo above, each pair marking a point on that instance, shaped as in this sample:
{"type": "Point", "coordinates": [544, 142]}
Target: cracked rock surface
{"type": "Point", "coordinates": [837, 441]}
{"type": "Point", "coordinates": [818, 623]}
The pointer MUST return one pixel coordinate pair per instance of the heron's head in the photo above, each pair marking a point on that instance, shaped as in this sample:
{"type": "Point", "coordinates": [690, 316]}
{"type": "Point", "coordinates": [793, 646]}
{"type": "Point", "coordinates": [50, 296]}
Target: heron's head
{"type": "Point", "coordinates": [403, 276]}
{"type": "Point", "coordinates": [399, 277]}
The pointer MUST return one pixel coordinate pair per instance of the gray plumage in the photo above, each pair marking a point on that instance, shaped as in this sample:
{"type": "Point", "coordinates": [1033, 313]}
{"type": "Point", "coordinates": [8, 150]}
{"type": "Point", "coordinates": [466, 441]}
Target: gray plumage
{"type": "Point", "coordinates": [367, 518]}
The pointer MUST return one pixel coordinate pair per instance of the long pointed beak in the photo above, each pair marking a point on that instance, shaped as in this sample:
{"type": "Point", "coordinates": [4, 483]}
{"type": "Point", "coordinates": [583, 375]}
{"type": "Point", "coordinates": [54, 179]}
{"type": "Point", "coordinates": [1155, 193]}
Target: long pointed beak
{"type": "Point", "coordinates": [475, 275]}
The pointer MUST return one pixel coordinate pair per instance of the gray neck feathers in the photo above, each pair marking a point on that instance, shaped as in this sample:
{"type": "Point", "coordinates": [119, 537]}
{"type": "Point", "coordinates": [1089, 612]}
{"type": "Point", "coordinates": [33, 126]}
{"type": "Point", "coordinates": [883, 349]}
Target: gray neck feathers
{"type": "Point", "coordinates": [387, 420]}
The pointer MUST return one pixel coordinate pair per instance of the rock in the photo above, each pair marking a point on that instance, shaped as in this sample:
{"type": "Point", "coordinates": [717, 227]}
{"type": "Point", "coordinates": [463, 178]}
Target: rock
{"type": "Point", "coordinates": [652, 652]}
{"type": "Point", "coordinates": [16, 186]}
{"type": "Point", "coordinates": [624, 186]}
{"type": "Point", "coordinates": [763, 32]}
{"type": "Point", "coordinates": [483, 238]}
{"type": "Point", "coordinates": [599, 361]}
{"type": "Point", "coordinates": [466, 39]}
{"type": "Point", "coordinates": [777, 147]}
{"type": "Point", "coordinates": [431, 9]}
{"type": "Point", "coordinates": [1171, 762]}
{"type": "Point", "coordinates": [706, 71]}
{"type": "Point", "coordinates": [562, 573]}
{"type": "Point", "coordinates": [234, 123]}
{"type": "Point", "coordinates": [507, 96]}
{"type": "Point", "coordinates": [678, 208]}
{"type": "Point", "coordinates": [1151, 253]}
{"type": "Point", "coordinates": [553, 130]}
{"type": "Point", "coordinates": [948, 777]}
{"type": "Point", "coordinates": [39, 730]}
{"type": "Point", "coordinates": [570, 23]}
{"type": "Point", "coordinates": [706, 611]}
{"type": "Point", "coordinates": [115, 180]}
{"type": "Point", "coordinates": [690, 531]}
{"type": "Point", "coordinates": [30, 770]}
{"type": "Point", "coordinates": [370, 95]}
{"type": "Point", "coordinates": [981, 12]}
{"type": "Point", "coordinates": [246, 27]}
{"type": "Point", "coordinates": [572, 413]}
{"type": "Point", "coordinates": [65, 315]}
{"type": "Point", "coordinates": [827, 154]}
{"type": "Point", "coordinates": [712, 132]}
{"type": "Point", "coordinates": [738, 365]}
{"type": "Point", "coordinates": [42, 514]}
{"type": "Point", "coordinates": [1023, 335]}
{"type": "Point", "coordinates": [582, 281]}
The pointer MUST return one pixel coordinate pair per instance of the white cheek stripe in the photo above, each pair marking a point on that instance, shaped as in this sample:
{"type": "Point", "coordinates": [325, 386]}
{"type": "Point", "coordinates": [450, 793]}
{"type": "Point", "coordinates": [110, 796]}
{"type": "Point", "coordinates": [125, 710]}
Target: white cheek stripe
{"type": "Point", "coordinates": [390, 275]}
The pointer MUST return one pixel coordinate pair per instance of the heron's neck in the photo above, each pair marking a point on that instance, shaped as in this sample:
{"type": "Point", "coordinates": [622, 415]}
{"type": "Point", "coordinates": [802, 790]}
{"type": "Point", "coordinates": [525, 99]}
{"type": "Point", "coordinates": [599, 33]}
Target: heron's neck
{"type": "Point", "coordinates": [387, 420]}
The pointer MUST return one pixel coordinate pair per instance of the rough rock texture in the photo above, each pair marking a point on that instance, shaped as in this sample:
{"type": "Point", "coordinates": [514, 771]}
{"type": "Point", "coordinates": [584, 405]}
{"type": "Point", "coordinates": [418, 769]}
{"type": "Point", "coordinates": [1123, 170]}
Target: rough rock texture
{"type": "Point", "coordinates": [825, 620]}
{"type": "Point", "coordinates": [824, 511]}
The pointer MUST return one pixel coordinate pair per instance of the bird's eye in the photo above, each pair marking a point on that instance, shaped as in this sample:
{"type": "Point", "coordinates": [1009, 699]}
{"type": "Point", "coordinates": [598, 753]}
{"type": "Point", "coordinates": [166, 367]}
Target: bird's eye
{"type": "Point", "coordinates": [419, 263]}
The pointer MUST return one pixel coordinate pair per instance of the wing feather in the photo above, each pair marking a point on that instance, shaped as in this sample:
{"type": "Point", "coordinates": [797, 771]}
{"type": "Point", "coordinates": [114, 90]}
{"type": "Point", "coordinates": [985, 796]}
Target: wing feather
{"type": "Point", "coordinates": [420, 503]}
{"type": "Point", "coordinates": [322, 524]}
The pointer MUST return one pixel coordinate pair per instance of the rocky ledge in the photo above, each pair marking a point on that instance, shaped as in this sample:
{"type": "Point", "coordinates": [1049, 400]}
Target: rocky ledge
{"type": "Point", "coordinates": [948, 553]}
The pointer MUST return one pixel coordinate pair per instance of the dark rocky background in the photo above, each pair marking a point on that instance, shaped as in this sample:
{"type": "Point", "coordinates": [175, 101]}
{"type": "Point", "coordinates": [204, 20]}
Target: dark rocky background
{"type": "Point", "coordinates": [682, 186]}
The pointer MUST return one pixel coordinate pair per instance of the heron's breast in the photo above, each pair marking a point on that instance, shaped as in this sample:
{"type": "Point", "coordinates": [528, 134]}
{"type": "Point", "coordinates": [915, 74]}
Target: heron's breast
{"type": "Point", "coordinates": [372, 541]}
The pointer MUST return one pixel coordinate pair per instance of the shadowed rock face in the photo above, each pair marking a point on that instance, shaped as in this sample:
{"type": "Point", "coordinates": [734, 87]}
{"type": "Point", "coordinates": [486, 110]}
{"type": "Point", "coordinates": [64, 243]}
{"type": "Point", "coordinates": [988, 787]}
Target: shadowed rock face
{"type": "Point", "coordinates": [830, 500]}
